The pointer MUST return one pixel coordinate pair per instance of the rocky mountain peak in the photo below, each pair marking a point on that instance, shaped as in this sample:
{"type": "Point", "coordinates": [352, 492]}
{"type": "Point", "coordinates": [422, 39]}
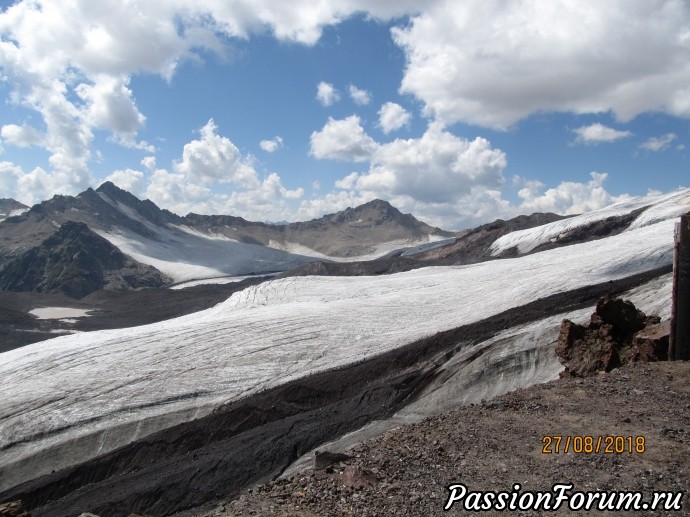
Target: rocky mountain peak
{"type": "Point", "coordinates": [10, 207]}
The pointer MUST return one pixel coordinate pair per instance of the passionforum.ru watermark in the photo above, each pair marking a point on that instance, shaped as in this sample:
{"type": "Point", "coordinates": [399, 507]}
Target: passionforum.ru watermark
{"type": "Point", "coordinates": [561, 496]}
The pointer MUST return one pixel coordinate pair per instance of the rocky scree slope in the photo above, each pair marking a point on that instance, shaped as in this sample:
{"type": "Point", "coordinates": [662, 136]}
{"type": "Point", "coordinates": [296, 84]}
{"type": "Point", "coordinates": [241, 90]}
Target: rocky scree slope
{"type": "Point", "coordinates": [406, 471]}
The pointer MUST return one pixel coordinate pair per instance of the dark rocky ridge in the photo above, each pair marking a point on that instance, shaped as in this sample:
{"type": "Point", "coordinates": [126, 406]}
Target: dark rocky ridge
{"type": "Point", "coordinates": [76, 261]}
{"type": "Point", "coordinates": [255, 438]}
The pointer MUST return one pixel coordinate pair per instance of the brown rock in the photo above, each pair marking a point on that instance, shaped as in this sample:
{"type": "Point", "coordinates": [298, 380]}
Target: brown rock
{"type": "Point", "coordinates": [621, 314]}
{"type": "Point", "coordinates": [613, 337]}
{"type": "Point", "coordinates": [13, 509]}
{"type": "Point", "coordinates": [357, 477]}
{"type": "Point", "coordinates": [651, 343]}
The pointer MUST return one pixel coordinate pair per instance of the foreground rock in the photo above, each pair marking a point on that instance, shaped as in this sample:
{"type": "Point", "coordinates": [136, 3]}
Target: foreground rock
{"type": "Point", "coordinates": [618, 333]}
{"type": "Point", "coordinates": [13, 509]}
{"type": "Point", "coordinates": [499, 443]}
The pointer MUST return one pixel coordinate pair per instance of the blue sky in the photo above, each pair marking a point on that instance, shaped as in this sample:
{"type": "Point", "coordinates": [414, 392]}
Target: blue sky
{"type": "Point", "coordinates": [459, 112]}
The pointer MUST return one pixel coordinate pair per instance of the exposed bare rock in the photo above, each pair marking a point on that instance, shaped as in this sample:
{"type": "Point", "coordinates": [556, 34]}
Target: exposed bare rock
{"type": "Point", "coordinates": [618, 333]}
{"type": "Point", "coordinates": [651, 343]}
{"type": "Point", "coordinates": [325, 459]}
{"type": "Point", "coordinates": [76, 261]}
{"type": "Point", "coordinates": [13, 509]}
{"type": "Point", "coordinates": [358, 477]}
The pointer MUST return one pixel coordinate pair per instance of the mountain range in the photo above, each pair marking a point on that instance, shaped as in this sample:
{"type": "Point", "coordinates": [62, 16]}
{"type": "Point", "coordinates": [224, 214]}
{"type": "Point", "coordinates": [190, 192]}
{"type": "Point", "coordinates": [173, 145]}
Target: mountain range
{"type": "Point", "coordinates": [182, 248]}
{"type": "Point", "coordinates": [155, 247]}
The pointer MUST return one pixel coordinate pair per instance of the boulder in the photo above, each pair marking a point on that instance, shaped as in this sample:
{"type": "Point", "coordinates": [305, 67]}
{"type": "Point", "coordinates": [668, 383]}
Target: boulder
{"type": "Point", "coordinates": [618, 333]}
{"type": "Point", "coordinates": [13, 509]}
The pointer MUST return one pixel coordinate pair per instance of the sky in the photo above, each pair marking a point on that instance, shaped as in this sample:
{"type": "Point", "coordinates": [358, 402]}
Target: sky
{"type": "Point", "coordinates": [457, 112]}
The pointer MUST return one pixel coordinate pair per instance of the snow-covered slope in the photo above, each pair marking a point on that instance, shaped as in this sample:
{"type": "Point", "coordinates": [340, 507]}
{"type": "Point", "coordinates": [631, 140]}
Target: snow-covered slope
{"type": "Point", "coordinates": [183, 255]}
{"type": "Point", "coordinates": [90, 393]}
{"type": "Point", "coordinates": [661, 206]}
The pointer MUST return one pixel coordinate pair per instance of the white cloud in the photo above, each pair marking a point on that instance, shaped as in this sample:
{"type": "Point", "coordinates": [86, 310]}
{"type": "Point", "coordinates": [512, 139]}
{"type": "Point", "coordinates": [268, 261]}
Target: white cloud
{"type": "Point", "coordinates": [360, 97]}
{"type": "Point", "coordinates": [393, 116]}
{"type": "Point", "coordinates": [215, 158]}
{"type": "Point", "coordinates": [31, 187]}
{"type": "Point", "coordinates": [330, 203]}
{"type": "Point", "coordinates": [597, 133]}
{"type": "Point", "coordinates": [177, 193]}
{"type": "Point", "coordinates": [72, 62]}
{"type": "Point", "coordinates": [130, 180]}
{"type": "Point", "coordinates": [660, 143]}
{"type": "Point", "coordinates": [271, 145]}
{"type": "Point", "coordinates": [494, 63]}
{"type": "Point", "coordinates": [21, 136]}
{"type": "Point", "coordinates": [436, 167]}
{"type": "Point", "coordinates": [326, 94]}
{"type": "Point", "coordinates": [109, 105]}
{"type": "Point", "coordinates": [568, 197]}
{"type": "Point", "coordinates": [149, 162]}
{"type": "Point", "coordinates": [343, 140]}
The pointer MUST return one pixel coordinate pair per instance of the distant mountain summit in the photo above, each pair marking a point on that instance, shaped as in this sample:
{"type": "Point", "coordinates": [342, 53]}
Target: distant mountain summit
{"type": "Point", "coordinates": [350, 233]}
{"type": "Point", "coordinates": [76, 261]}
{"type": "Point", "coordinates": [10, 207]}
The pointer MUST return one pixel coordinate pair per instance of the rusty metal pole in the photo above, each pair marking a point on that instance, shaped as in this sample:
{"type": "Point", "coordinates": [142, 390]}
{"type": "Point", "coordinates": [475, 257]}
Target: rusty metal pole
{"type": "Point", "coordinates": [679, 343]}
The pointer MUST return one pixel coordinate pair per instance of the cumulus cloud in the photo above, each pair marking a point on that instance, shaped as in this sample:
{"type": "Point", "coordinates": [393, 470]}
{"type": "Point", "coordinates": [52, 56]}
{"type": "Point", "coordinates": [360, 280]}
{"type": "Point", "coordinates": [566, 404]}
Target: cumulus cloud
{"type": "Point", "coordinates": [271, 145]}
{"type": "Point", "coordinates": [568, 197]}
{"type": "Point", "coordinates": [326, 94]}
{"type": "Point", "coordinates": [660, 143]}
{"type": "Point", "coordinates": [343, 140]}
{"type": "Point", "coordinates": [360, 97]}
{"type": "Point", "coordinates": [598, 133]}
{"type": "Point", "coordinates": [72, 62]}
{"type": "Point", "coordinates": [393, 116]}
{"type": "Point", "coordinates": [214, 158]}
{"type": "Point", "coordinates": [21, 136]}
{"type": "Point", "coordinates": [130, 180]}
{"type": "Point", "coordinates": [436, 167]}
{"type": "Point", "coordinates": [31, 187]}
{"type": "Point", "coordinates": [214, 178]}
{"type": "Point", "coordinates": [494, 63]}
{"type": "Point", "coordinates": [445, 180]}
{"type": "Point", "coordinates": [149, 162]}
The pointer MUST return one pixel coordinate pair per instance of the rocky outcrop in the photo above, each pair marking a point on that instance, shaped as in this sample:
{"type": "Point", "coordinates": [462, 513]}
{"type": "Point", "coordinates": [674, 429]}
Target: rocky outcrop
{"type": "Point", "coordinates": [618, 333]}
{"type": "Point", "coordinates": [76, 261]}
{"type": "Point", "coordinates": [13, 509]}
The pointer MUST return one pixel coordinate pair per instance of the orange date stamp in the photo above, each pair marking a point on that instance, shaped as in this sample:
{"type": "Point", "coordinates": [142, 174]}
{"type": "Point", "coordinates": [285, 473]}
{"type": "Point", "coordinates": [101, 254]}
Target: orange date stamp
{"type": "Point", "coordinates": [584, 444]}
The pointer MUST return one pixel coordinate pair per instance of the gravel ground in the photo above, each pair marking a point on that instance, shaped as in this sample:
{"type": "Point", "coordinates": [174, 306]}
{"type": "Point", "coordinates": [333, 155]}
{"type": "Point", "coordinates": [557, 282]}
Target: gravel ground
{"type": "Point", "coordinates": [498, 443]}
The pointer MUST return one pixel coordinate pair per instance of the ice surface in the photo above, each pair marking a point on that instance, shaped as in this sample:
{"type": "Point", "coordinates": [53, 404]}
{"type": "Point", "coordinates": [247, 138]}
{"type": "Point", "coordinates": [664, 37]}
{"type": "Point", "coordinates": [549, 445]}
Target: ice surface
{"type": "Point", "coordinates": [56, 313]}
{"type": "Point", "coordinates": [379, 250]}
{"type": "Point", "coordinates": [662, 207]}
{"type": "Point", "coordinates": [104, 389]}
{"type": "Point", "coordinates": [187, 255]}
